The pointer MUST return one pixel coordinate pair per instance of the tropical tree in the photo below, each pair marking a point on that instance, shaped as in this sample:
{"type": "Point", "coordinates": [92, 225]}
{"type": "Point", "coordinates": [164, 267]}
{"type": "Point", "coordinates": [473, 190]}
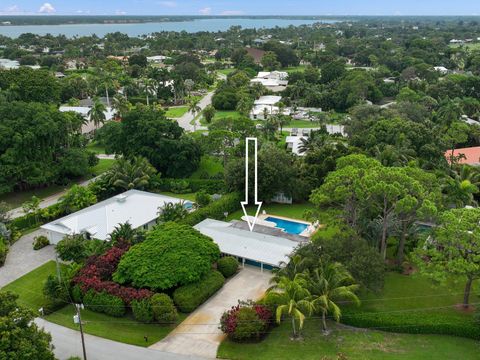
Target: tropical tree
{"type": "Point", "coordinates": [77, 198]}
{"type": "Point", "coordinates": [31, 206]}
{"type": "Point", "coordinates": [131, 173]}
{"type": "Point", "coordinates": [328, 283]}
{"type": "Point", "coordinates": [293, 299]}
{"type": "Point", "coordinates": [453, 252]}
{"type": "Point", "coordinates": [120, 105]}
{"type": "Point", "coordinates": [244, 105]}
{"type": "Point", "coordinates": [172, 212]}
{"type": "Point", "coordinates": [209, 113]}
{"type": "Point", "coordinates": [96, 113]}
{"type": "Point", "coordinates": [194, 106]}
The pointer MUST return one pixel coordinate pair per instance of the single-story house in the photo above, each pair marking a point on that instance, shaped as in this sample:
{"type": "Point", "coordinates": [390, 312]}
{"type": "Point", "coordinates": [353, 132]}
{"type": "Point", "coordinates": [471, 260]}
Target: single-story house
{"type": "Point", "coordinates": [266, 104]}
{"type": "Point", "coordinates": [139, 208]}
{"type": "Point", "coordinates": [89, 126]}
{"type": "Point", "coordinates": [294, 143]}
{"type": "Point", "coordinates": [471, 155]}
{"type": "Point", "coordinates": [157, 59]}
{"type": "Point", "coordinates": [249, 247]}
{"type": "Point", "coordinates": [275, 80]}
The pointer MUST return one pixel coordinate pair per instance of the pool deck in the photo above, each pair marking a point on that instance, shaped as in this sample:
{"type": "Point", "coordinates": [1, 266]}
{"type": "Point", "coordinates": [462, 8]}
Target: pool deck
{"type": "Point", "coordinates": [306, 233]}
{"type": "Point", "coordinates": [267, 230]}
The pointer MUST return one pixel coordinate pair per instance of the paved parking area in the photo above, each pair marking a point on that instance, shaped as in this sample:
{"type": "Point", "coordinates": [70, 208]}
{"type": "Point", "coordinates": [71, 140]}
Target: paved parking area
{"type": "Point", "coordinates": [198, 334]}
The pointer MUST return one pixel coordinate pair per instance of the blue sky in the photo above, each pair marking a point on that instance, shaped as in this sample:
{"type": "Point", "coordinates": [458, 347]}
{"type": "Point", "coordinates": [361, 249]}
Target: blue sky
{"type": "Point", "coordinates": [241, 7]}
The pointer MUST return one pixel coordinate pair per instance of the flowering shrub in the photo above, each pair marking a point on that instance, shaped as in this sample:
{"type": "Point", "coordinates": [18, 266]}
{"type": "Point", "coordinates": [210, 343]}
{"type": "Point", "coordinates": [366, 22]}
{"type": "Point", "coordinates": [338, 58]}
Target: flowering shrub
{"type": "Point", "coordinates": [97, 273]}
{"type": "Point", "coordinates": [246, 321]}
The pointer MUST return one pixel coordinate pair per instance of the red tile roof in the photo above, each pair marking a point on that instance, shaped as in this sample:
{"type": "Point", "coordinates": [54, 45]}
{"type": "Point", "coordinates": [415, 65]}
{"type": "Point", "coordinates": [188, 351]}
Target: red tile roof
{"type": "Point", "coordinates": [472, 155]}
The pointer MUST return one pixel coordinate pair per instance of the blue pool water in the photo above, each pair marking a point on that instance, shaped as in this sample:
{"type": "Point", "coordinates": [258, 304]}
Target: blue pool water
{"type": "Point", "coordinates": [291, 227]}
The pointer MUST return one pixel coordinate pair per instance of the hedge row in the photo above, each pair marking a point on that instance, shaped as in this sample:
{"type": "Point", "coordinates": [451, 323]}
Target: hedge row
{"type": "Point", "coordinates": [211, 186]}
{"type": "Point", "coordinates": [103, 302]}
{"type": "Point", "coordinates": [227, 265]}
{"type": "Point", "coordinates": [189, 297]}
{"type": "Point", "coordinates": [215, 210]}
{"type": "Point", "coordinates": [415, 323]}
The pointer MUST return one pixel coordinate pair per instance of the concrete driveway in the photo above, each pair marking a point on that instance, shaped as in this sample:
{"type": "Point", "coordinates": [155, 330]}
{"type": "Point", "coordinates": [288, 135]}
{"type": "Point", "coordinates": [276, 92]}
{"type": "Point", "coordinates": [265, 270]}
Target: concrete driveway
{"type": "Point", "coordinates": [21, 258]}
{"type": "Point", "coordinates": [198, 334]}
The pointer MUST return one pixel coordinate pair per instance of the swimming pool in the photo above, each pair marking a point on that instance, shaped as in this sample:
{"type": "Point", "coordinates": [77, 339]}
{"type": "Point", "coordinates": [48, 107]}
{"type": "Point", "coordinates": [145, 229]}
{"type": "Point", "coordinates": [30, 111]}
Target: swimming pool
{"type": "Point", "coordinates": [291, 227]}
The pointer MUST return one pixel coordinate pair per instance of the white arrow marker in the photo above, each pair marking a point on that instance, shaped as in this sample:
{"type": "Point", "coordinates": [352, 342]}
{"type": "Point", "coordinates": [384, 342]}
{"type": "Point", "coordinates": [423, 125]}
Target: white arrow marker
{"type": "Point", "coordinates": [251, 224]}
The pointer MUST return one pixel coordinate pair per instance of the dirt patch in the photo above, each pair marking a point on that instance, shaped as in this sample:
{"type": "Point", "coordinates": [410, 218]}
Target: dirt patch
{"type": "Point", "coordinates": [467, 310]}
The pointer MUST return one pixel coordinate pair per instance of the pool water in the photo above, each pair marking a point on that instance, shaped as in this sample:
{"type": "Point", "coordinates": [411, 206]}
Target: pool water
{"type": "Point", "coordinates": [291, 227]}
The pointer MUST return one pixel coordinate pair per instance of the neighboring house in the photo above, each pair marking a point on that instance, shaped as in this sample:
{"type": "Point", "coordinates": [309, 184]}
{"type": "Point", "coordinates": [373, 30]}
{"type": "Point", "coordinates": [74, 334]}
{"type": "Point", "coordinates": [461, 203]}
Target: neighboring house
{"type": "Point", "coordinates": [89, 126]}
{"type": "Point", "coordinates": [157, 59]}
{"type": "Point", "coordinates": [266, 104]}
{"type": "Point", "coordinates": [441, 69]}
{"type": "Point", "coordinates": [138, 208]}
{"type": "Point", "coordinates": [256, 54]}
{"type": "Point", "coordinates": [275, 81]}
{"type": "Point", "coordinates": [9, 64]}
{"type": "Point", "coordinates": [249, 247]}
{"type": "Point", "coordinates": [471, 155]}
{"type": "Point", "coordinates": [294, 143]}
{"type": "Point", "coordinates": [469, 121]}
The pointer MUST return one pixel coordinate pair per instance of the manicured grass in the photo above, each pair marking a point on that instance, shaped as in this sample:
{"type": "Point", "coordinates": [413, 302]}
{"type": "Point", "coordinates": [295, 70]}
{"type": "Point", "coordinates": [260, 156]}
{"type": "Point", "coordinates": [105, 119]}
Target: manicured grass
{"type": "Point", "coordinates": [226, 71]}
{"type": "Point", "coordinates": [290, 69]}
{"type": "Point", "coordinates": [353, 343]}
{"type": "Point", "coordinates": [29, 287]}
{"type": "Point", "coordinates": [208, 165]}
{"type": "Point", "coordinates": [294, 211]}
{"type": "Point", "coordinates": [124, 329]}
{"type": "Point", "coordinates": [102, 166]}
{"type": "Point", "coordinates": [177, 111]}
{"type": "Point", "coordinates": [17, 198]}
{"type": "Point", "coordinates": [96, 148]}
{"type": "Point", "coordinates": [226, 114]}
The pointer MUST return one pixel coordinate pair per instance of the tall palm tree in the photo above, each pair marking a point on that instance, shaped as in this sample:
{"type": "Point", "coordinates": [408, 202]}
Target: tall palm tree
{"type": "Point", "coordinates": [194, 107]}
{"type": "Point", "coordinates": [96, 114]}
{"type": "Point", "coordinates": [292, 296]}
{"type": "Point", "coordinates": [134, 173]}
{"type": "Point", "coordinates": [120, 105]}
{"type": "Point", "coordinates": [327, 284]}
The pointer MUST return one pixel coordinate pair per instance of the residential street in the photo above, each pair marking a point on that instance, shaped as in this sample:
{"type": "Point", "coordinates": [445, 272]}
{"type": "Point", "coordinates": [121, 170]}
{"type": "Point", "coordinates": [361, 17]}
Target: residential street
{"type": "Point", "coordinates": [185, 120]}
{"type": "Point", "coordinates": [67, 343]}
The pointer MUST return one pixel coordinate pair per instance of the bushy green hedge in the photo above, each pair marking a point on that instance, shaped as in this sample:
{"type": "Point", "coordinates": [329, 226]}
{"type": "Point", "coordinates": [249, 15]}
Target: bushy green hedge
{"type": "Point", "coordinates": [142, 310]}
{"type": "Point", "coordinates": [104, 303]}
{"type": "Point", "coordinates": [171, 255]}
{"type": "Point", "coordinates": [39, 242]}
{"type": "Point", "coordinates": [414, 322]}
{"type": "Point", "coordinates": [163, 308]}
{"type": "Point", "coordinates": [215, 210]}
{"type": "Point", "coordinates": [189, 297]}
{"type": "Point", "coordinates": [211, 186]}
{"type": "Point", "coordinates": [3, 251]}
{"type": "Point", "coordinates": [227, 265]}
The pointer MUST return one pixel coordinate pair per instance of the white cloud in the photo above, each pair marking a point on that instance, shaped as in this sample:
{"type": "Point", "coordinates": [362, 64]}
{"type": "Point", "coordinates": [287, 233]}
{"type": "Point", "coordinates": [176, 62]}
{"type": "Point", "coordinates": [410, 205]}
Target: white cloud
{"type": "Point", "coordinates": [46, 8]}
{"type": "Point", "coordinates": [11, 10]}
{"type": "Point", "coordinates": [233, 12]}
{"type": "Point", "coordinates": [168, 4]}
{"type": "Point", "coordinates": [205, 11]}
{"type": "Point", "coordinates": [120, 12]}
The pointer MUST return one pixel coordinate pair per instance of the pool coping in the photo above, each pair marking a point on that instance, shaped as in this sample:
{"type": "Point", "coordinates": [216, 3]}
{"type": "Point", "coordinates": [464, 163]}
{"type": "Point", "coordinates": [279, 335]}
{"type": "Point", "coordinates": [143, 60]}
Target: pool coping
{"type": "Point", "coordinates": [305, 233]}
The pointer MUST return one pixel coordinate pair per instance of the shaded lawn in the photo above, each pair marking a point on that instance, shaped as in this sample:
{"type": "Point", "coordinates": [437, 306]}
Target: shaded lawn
{"type": "Point", "coordinates": [29, 288]}
{"type": "Point", "coordinates": [124, 329]}
{"type": "Point", "coordinates": [187, 196]}
{"type": "Point", "coordinates": [353, 343]}
{"type": "Point", "coordinates": [102, 166]}
{"type": "Point", "coordinates": [17, 198]}
{"type": "Point", "coordinates": [226, 71]}
{"type": "Point", "coordinates": [294, 211]}
{"type": "Point", "coordinates": [96, 148]}
{"type": "Point", "coordinates": [176, 112]}
{"type": "Point", "coordinates": [208, 165]}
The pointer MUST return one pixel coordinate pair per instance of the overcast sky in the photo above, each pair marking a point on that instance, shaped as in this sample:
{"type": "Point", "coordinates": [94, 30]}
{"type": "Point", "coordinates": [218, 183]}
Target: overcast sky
{"type": "Point", "coordinates": [241, 7]}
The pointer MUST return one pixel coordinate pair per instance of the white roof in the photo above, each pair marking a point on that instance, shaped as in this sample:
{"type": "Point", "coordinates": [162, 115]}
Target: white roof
{"type": "Point", "coordinates": [9, 64]}
{"type": "Point", "coordinates": [268, 100]}
{"type": "Point", "coordinates": [268, 249]}
{"type": "Point", "coordinates": [296, 142]}
{"type": "Point", "coordinates": [135, 206]}
{"type": "Point", "coordinates": [83, 110]}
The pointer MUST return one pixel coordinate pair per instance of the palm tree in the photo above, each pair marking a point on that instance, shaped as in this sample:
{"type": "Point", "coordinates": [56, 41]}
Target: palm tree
{"type": "Point", "coordinates": [120, 105]}
{"type": "Point", "coordinates": [292, 296]}
{"type": "Point", "coordinates": [134, 173]}
{"type": "Point", "coordinates": [244, 105]}
{"type": "Point", "coordinates": [96, 113]}
{"type": "Point", "coordinates": [329, 283]}
{"type": "Point", "coordinates": [193, 106]}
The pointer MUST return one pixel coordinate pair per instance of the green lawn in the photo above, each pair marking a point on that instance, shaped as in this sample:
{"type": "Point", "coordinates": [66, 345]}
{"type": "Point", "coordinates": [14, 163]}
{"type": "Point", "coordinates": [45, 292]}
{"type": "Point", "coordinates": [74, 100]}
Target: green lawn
{"type": "Point", "coordinates": [187, 196]}
{"type": "Point", "coordinates": [126, 329]}
{"type": "Point", "coordinates": [226, 71]}
{"type": "Point", "coordinates": [294, 211]}
{"type": "Point", "coordinates": [226, 114]}
{"type": "Point", "coordinates": [176, 112]}
{"type": "Point", "coordinates": [208, 165]}
{"type": "Point", "coordinates": [354, 344]}
{"type": "Point", "coordinates": [290, 69]}
{"type": "Point", "coordinates": [102, 166]}
{"type": "Point", "coordinates": [96, 148]}
{"type": "Point", "coordinates": [29, 287]}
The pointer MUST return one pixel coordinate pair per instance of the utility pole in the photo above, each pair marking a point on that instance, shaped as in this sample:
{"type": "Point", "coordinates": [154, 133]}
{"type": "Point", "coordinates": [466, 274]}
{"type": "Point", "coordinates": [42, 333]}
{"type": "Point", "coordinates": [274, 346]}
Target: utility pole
{"type": "Point", "coordinates": [79, 319]}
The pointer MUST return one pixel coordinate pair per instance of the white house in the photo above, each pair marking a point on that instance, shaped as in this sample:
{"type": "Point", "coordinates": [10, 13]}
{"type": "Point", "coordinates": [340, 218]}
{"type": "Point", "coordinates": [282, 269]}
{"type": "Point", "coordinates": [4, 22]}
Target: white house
{"type": "Point", "coordinates": [275, 80]}
{"type": "Point", "coordinates": [441, 69]}
{"type": "Point", "coordinates": [294, 143]}
{"type": "Point", "coordinates": [157, 59]}
{"type": "Point", "coordinates": [83, 111]}
{"type": "Point", "coordinates": [266, 104]}
{"type": "Point", "coordinates": [139, 208]}
{"type": "Point", "coordinates": [249, 247]}
{"type": "Point", "coordinates": [9, 64]}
